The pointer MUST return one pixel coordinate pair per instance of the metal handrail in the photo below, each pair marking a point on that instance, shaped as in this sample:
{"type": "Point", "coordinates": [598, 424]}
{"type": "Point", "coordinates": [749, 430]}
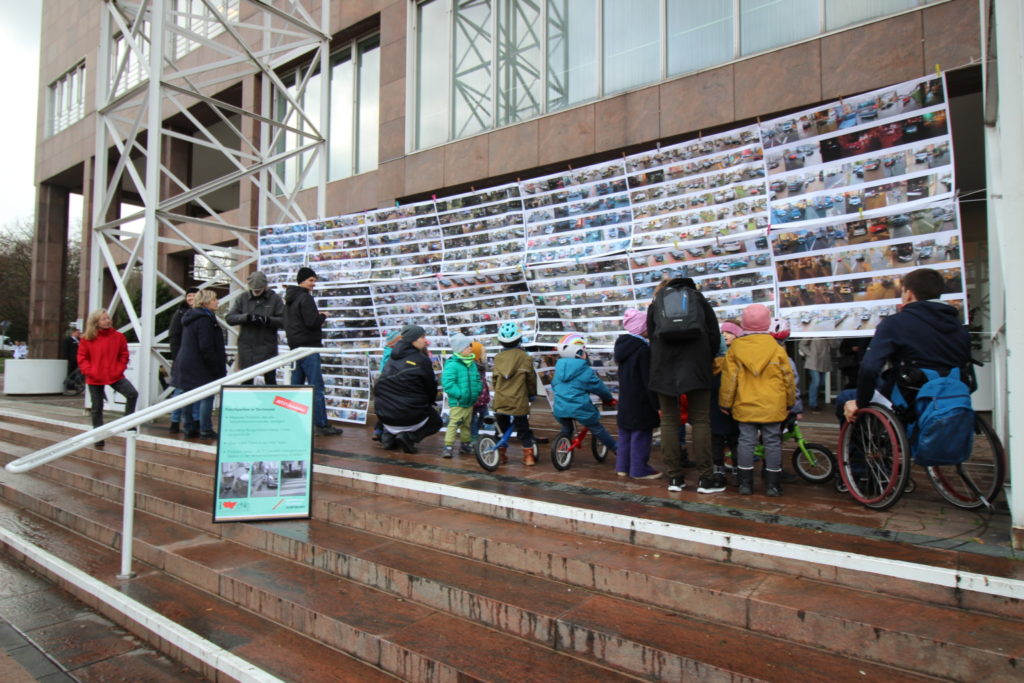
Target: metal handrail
{"type": "Point", "coordinates": [122, 424]}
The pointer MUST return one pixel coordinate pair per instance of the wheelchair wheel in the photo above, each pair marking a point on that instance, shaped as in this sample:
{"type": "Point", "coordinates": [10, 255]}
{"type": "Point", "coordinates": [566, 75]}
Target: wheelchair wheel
{"type": "Point", "coordinates": [976, 482]}
{"type": "Point", "coordinates": [599, 450]}
{"type": "Point", "coordinates": [561, 453]}
{"type": "Point", "coordinates": [486, 453]}
{"type": "Point", "coordinates": [874, 457]}
{"type": "Point", "coordinates": [817, 466]}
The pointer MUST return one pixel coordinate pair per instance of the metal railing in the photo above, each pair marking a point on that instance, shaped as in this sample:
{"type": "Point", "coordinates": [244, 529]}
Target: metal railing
{"type": "Point", "coordinates": [129, 425]}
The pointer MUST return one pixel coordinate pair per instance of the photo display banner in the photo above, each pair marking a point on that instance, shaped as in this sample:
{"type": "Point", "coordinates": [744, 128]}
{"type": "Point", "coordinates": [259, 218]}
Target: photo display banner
{"type": "Point", "coordinates": [818, 215]}
{"type": "Point", "coordinates": [264, 454]}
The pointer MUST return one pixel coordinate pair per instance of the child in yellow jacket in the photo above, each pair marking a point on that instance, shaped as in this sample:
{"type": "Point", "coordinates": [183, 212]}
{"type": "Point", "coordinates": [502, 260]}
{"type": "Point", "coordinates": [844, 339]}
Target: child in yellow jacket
{"type": "Point", "coordinates": [757, 391]}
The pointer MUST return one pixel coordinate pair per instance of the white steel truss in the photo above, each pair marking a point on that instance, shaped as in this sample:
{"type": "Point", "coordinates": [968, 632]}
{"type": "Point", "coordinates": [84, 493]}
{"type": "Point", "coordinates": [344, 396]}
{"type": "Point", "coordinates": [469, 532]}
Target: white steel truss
{"type": "Point", "coordinates": [174, 59]}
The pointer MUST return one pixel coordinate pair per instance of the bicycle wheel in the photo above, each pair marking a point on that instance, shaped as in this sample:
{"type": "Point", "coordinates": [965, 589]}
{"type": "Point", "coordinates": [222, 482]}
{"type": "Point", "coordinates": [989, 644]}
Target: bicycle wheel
{"type": "Point", "coordinates": [486, 453]}
{"type": "Point", "coordinates": [814, 463]}
{"type": "Point", "coordinates": [976, 482]}
{"type": "Point", "coordinates": [561, 453]}
{"type": "Point", "coordinates": [874, 457]}
{"type": "Point", "coordinates": [599, 450]}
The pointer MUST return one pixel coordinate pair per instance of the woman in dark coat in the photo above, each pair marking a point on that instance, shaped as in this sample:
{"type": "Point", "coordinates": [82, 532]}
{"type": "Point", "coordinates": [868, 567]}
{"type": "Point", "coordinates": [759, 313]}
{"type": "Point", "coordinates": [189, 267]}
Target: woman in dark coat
{"type": "Point", "coordinates": [174, 339]}
{"type": "Point", "coordinates": [201, 359]}
{"type": "Point", "coordinates": [638, 406]}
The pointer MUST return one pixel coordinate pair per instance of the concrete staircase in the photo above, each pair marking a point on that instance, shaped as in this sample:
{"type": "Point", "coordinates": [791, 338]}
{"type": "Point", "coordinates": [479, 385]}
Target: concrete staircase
{"type": "Point", "coordinates": [400, 580]}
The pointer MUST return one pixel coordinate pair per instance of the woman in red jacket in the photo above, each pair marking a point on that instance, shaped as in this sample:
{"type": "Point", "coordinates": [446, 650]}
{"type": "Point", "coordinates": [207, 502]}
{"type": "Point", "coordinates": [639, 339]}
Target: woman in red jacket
{"type": "Point", "coordinates": [102, 358]}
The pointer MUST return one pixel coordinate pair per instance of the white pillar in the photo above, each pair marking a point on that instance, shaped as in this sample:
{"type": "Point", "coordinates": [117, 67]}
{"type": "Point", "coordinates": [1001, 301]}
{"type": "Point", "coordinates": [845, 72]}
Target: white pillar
{"type": "Point", "coordinates": [1004, 141]}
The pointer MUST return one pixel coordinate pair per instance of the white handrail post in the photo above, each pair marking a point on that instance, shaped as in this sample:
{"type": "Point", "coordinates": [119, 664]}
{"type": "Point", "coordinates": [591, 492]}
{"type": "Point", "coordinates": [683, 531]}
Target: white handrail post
{"type": "Point", "coordinates": [128, 512]}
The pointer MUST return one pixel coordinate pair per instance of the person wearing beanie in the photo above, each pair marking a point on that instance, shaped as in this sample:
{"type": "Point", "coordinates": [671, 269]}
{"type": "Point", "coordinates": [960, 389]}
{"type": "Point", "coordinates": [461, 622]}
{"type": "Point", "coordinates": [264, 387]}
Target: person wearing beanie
{"type": "Point", "coordinates": [303, 326]}
{"type": "Point", "coordinates": [259, 314]}
{"type": "Point", "coordinates": [405, 393]}
{"type": "Point", "coordinates": [461, 383]}
{"type": "Point", "coordinates": [731, 331]}
{"type": "Point", "coordinates": [637, 414]}
{"type": "Point", "coordinates": [758, 391]}
{"type": "Point", "coordinates": [174, 331]}
{"type": "Point", "coordinates": [480, 408]}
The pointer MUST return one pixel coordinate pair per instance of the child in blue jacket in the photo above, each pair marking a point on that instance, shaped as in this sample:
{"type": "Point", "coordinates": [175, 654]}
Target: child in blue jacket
{"type": "Point", "coordinates": [573, 384]}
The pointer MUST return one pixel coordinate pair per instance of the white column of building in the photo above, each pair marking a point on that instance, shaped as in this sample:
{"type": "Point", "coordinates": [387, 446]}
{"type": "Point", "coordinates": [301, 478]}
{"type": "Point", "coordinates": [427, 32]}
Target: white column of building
{"type": "Point", "coordinates": [1004, 143]}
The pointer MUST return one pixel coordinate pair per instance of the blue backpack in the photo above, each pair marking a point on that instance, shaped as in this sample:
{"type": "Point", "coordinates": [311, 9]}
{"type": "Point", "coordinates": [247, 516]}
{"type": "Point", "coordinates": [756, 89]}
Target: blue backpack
{"type": "Point", "coordinates": [943, 433]}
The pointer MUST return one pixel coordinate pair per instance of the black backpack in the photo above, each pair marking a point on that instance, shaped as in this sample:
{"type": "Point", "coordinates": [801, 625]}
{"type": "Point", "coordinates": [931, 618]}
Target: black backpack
{"type": "Point", "coordinates": [679, 314]}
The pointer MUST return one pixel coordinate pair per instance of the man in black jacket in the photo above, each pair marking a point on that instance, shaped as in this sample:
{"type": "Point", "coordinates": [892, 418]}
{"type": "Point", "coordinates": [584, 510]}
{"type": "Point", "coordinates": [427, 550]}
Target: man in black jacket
{"type": "Point", "coordinates": [684, 367]}
{"type": "Point", "coordinates": [303, 327]}
{"type": "Point", "coordinates": [259, 313]}
{"type": "Point", "coordinates": [405, 393]}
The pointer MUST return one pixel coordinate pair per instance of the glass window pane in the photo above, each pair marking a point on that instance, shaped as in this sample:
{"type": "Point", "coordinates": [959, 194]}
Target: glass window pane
{"type": "Point", "coordinates": [632, 43]}
{"type": "Point", "coordinates": [572, 53]}
{"type": "Point", "coordinates": [765, 24]}
{"type": "Point", "coordinates": [699, 34]}
{"type": "Point", "coordinates": [341, 115]}
{"type": "Point", "coordinates": [519, 61]}
{"type": "Point", "coordinates": [311, 107]}
{"type": "Point", "coordinates": [843, 13]}
{"type": "Point", "coordinates": [432, 72]}
{"type": "Point", "coordinates": [471, 70]}
{"type": "Point", "coordinates": [369, 104]}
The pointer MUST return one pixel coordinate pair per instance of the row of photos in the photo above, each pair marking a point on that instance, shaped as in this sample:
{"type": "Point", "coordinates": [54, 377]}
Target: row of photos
{"type": "Point", "coordinates": [818, 215]}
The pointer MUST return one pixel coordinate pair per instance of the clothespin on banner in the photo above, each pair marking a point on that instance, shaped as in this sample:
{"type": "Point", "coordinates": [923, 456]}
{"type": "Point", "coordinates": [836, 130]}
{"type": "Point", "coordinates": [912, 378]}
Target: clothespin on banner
{"type": "Point", "coordinates": [938, 71]}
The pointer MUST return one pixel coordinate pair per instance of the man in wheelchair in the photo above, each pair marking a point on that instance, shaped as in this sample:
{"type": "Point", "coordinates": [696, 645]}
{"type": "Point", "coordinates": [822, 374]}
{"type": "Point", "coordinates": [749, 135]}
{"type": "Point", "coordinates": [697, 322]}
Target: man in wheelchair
{"type": "Point", "coordinates": [926, 333]}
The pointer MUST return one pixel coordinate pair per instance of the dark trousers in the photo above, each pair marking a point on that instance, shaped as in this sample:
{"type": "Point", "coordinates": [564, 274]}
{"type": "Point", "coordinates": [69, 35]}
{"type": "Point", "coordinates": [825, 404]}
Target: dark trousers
{"type": "Point", "coordinates": [431, 426]}
{"type": "Point", "coordinates": [97, 395]}
{"type": "Point", "coordinates": [269, 378]}
{"type": "Point", "coordinates": [699, 403]}
{"type": "Point", "coordinates": [521, 424]}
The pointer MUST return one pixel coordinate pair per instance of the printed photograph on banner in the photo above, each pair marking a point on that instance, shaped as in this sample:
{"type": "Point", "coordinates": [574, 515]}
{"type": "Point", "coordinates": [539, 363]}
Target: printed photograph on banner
{"type": "Point", "coordinates": [282, 251]}
{"type": "Point", "coordinates": [476, 305]}
{"type": "Point", "coordinates": [404, 242]}
{"type": "Point", "coordinates": [899, 101]}
{"type": "Point", "coordinates": [338, 248]}
{"type": "Point", "coordinates": [584, 214]}
{"type": "Point", "coordinates": [351, 316]}
{"type": "Point", "coordinates": [588, 297]}
{"type": "Point", "coordinates": [410, 302]}
{"type": "Point", "coordinates": [482, 231]}
{"type": "Point", "coordinates": [851, 320]}
{"type": "Point", "coordinates": [347, 386]}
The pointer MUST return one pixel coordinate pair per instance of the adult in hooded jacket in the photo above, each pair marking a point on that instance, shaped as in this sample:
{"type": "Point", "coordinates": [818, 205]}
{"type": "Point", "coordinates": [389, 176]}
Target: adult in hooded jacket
{"type": "Point", "coordinates": [259, 314]}
{"type": "Point", "coordinates": [202, 359]}
{"type": "Point", "coordinates": [103, 358]}
{"type": "Point", "coordinates": [406, 393]}
{"type": "Point", "coordinates": [174, 339]}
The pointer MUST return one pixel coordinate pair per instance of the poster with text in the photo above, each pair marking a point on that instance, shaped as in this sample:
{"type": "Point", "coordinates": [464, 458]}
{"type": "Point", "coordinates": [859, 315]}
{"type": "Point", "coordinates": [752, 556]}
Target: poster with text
{"type": "Point", "coordinates": [264, 453]}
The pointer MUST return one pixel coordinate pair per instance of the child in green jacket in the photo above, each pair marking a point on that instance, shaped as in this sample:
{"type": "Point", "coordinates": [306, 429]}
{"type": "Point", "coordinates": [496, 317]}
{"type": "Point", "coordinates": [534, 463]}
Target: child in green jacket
{"type": "Point", "coordinates": [461, 383]}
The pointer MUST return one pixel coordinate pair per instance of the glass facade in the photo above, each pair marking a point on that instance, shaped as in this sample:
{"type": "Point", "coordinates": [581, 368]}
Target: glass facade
{"type": "Point", "coordinates": [482, 64]}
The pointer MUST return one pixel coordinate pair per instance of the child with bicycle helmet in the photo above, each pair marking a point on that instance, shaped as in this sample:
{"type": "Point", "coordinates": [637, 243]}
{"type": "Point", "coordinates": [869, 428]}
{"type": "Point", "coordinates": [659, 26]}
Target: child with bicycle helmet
{"type": "Point", "coordinates": [758, 390]}
{"type": "Point", "coordinates": [515, 385]}
{"type": "Point", "coordinates": [637, 414]}
{"type": "Point", "coordinates": [573, 383]}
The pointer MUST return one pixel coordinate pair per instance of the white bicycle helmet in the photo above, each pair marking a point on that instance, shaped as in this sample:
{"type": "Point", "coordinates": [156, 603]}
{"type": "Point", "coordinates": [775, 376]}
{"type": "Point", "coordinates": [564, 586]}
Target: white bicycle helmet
{"type": "Point", "coordinates": [779, 328]}
{"type": "Point", "coordinates": [571, 345]}
{"type": "Point", "coordinates": [509, 332]}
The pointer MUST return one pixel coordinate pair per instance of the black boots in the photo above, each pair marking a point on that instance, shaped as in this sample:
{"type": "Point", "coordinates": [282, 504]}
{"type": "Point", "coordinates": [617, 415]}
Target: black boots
{"type": "Point", "coordinates": [772, 484]}
{"type": "Point", "coordinates": [746, 481]}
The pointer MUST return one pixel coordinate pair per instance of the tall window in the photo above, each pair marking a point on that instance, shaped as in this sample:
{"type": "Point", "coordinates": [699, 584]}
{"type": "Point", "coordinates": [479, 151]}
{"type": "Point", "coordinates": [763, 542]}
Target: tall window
{"type": "Point", "coordinates": [66, 99]}
{"type": "Point", "coordinates": [354, 110]}
{"type": "Point", "coordinates": [481, 64]}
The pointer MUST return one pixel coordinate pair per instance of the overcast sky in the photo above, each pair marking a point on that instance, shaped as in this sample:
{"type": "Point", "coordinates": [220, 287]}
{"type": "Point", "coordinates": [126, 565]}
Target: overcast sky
{"type": "Point", "coordinates": [19, 51]}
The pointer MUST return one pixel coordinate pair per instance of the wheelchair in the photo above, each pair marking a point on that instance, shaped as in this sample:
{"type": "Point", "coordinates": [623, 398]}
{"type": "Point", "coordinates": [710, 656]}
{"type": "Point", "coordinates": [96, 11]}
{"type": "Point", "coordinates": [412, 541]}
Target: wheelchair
{"type": "Point", "coordinates": [874, 463]}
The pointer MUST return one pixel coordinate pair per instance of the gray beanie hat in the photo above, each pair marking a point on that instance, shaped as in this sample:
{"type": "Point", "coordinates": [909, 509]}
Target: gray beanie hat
{"type": "Point", "coordinates": [413, 332]}
{"type": "Point", "coordinates": [257, 281]}
{"type": "Point", "coordinates": [459, 343]}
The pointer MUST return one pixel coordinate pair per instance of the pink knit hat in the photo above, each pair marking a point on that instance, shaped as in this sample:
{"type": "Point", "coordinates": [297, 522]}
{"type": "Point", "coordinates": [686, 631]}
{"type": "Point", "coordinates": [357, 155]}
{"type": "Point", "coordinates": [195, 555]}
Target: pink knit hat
{"type": "Point", "coordinates": [732, 328]}
{"type": "Point", "coordinates": [756, 318]}
{"type": "Point", "coordinates": [635, 322]}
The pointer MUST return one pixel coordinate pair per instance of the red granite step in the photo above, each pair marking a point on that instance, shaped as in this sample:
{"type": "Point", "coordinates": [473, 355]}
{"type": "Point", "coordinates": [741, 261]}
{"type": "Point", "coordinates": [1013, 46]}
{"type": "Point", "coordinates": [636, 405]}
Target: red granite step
{"type": "Point", "coordinates": [254, 639]}
{"type": "Point", "coordinates": [713, 590]}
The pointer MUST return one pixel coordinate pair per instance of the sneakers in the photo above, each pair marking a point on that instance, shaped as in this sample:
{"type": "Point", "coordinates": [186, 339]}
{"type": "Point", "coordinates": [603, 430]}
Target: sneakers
{"type": "Point", "coordinates": [388, 441]}
{"type": "Point", "coordinates": [676, 484]}
{"type": "Point", "coordinates": [621, 474]}
{"type": "Point", "coordinates": [528, 457]}
{"type": "Point", "coordinates": [407, 443]}
{"type": "Point", "coordinates": [327, 430]}
{"type": "Point", "coordinates": [174, 428]}
{"type": "Point", "coordinates": [447, 452]}
{"type": "Point", "coordinates": [208, 435]}
{"type": "Point", "coordinates": [100, 444]}
{"type": "Point", "coordinates": [715, 483]}
{"type": "Point", "coordinates": [652, 475]}
{"type": "Point", "coordinates": [466, 449]}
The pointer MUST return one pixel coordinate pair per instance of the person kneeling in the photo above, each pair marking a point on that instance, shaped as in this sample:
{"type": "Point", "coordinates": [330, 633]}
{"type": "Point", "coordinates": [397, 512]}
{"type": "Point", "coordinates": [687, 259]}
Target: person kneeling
{"type": "Point", "coordinates": [405, 393]}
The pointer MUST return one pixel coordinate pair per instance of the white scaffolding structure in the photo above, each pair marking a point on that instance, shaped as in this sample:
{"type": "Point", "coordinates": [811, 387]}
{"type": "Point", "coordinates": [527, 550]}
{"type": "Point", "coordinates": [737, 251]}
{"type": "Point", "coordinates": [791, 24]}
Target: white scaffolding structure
{"type": "Point", "coordinates": [146, 73]}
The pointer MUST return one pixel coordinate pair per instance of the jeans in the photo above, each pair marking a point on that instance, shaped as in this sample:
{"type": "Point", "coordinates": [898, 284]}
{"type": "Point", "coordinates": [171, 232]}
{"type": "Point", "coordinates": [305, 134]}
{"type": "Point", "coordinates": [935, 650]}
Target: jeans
{"type": "Point", "coordinates": [634, 452]}
{"type": "Point", "coordinates": [306, 371]}
{"type": "Point", "coordinates": [521, 424]}
{"type": "Point", "coordinates": [204, 407]}
{"type": "Point", "coordinates": [97, 394]}
{"type": "Point", "coordinates": [771, 437]}
{"type": "Point", "coordinates": [176, 415]}
{"type": "Point", "coordinates": [671, 451]}
{"type": "Point", "coordinates": [596, 428]}
{"type": "Point", "coordinates": [816, 379]}
{"type": "Point", "coordinates": [479, 413]}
